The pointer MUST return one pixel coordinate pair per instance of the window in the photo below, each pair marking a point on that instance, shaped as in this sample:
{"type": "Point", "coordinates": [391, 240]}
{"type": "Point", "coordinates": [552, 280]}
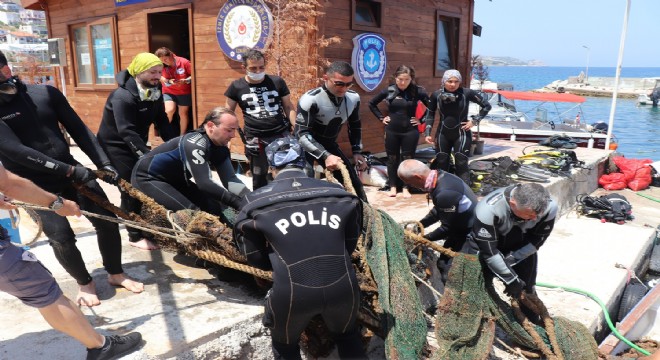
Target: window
{"type": "Point", "coordinates": [366, 14]}
{"type": "Point", "coordinates": [446, 46]}
{"type": "Point", "coordinates": [94, 48]}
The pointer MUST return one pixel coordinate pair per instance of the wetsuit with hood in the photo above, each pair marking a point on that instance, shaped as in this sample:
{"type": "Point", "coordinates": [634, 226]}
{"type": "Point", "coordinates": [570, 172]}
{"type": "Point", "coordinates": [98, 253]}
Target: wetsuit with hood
{"type": "Point", "coordinates": [320, 117]}
{"type": "Point", "coordinates": [453, 109]}
{"type": "Point", "coordinates": [401, 137]}
{"type": "Point", "coordinates": [305, 230]}
{"type": "Point", "coordinates": [124, 132]}
{"type": "Point", "coordinates": [32, 146]}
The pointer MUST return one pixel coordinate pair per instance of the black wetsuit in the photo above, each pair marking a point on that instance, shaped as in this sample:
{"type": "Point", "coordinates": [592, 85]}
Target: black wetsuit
{"type": "Point", "coordinates": [304, 229]}
{"type": "Point", "coordinates": [453, 207]}
{"type": "Point", "coordinates": [124, 132]}
{"type": "Point", "coordinates": [33, 146]}
{"type": "Point", "coordinates": [264, 117]}
{"type": "Point", "coordinates": [450, 137]}
{"type": "Point", "coordinates": [655, 96]}
{"type": "Point", "coordinates": [320, 117]}
{"type": "Point", "coordinates": [401, 137]}
{"type": "Point", "coordinates": [166, 175]}
{"type": "Point", "coordinates": [506, 243]}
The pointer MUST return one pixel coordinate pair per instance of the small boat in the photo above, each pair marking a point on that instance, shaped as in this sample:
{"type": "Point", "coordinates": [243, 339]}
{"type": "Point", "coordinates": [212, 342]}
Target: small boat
{"type": "Point", "coordinates": [642, 322]}
{"type": "Point", "coordinates": [644, 99]}
{"type": "Point", "coordinates": [647, 99]}
{"type": "Point", "coordinates": [504, 121]}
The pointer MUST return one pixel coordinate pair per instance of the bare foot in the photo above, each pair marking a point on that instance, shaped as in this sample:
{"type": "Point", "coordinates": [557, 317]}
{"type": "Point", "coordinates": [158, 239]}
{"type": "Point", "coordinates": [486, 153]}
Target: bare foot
{"type": "Point", "coordinates": [87, 295]}
{"type": "Point", "coordinates": [123, 281]}
{"type": "Point", "coordinates": [144, 244]}
{"type": "Point", "coordinates": [406, 194]}
{"type": "Point", "coordinates": [392, 192]}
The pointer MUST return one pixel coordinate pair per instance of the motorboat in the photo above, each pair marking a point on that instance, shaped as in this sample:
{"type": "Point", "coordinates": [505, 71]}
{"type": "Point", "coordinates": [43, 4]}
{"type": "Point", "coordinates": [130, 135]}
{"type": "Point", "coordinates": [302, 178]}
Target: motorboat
{"type": "Point", "coordinates": [647, 99]}
{"type": "Point", "coordinates": [505, 121]}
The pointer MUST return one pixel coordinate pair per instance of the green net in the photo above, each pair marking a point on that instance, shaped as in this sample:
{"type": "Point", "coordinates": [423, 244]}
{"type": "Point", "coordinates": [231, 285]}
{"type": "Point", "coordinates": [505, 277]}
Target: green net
{"type": "Point", "coordinates": [470, 306]}
{"type": "Point", "coordinates": [402, 319]}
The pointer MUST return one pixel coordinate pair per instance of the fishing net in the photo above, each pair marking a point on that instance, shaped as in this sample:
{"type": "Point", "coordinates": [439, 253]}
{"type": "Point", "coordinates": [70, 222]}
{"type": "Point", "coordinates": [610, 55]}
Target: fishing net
{"type": "Point", "coordinates": [390, 304]}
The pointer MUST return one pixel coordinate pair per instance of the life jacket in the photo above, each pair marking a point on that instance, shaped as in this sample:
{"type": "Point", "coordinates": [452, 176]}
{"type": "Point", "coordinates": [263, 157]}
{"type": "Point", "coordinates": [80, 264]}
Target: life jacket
{"type": "Point", "coordinates": [609, 208]}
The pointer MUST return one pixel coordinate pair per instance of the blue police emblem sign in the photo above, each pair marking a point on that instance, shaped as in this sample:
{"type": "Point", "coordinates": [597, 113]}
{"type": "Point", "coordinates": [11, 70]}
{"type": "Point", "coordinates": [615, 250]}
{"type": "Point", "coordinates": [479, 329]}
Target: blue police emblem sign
{"type": "Point", "coordinates": [243, 25]}
{"type": "Point", "coordinates": [369, 60]}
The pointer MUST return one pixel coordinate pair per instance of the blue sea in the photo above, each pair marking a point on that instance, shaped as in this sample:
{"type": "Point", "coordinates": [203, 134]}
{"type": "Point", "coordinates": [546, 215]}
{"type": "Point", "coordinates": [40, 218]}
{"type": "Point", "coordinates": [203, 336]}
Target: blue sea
{"type": "Point", "coordinates": [636, 129]}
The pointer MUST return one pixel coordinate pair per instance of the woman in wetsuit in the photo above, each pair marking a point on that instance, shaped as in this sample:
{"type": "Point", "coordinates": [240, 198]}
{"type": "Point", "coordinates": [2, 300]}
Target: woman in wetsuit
{"type": "Point", "coordinates": [401, 134]}
{"type": "Point", "coordinates": [454, 134]}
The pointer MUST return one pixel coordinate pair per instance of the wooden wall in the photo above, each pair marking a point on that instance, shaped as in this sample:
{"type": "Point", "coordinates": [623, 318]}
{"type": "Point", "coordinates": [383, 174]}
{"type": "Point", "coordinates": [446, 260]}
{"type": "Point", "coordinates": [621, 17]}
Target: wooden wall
{"type": "Point", "coordinates": [409, 28]}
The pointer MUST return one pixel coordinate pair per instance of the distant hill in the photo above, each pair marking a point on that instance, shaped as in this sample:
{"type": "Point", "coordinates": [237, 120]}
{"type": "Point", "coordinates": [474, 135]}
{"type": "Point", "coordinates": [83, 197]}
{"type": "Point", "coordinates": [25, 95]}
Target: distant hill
{"type": "Point", "coordinates": [509, 61]}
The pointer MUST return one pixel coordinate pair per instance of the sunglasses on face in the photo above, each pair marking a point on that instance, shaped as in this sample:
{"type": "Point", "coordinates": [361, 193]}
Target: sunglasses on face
{"type": "Point", "coordinates": [343, 84]}
{"type": "Point", "coordinates": [8, 87]}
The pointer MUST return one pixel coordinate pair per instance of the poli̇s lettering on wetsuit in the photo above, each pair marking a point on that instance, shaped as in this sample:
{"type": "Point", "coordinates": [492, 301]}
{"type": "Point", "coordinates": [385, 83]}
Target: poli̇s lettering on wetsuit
{"type": "Point", "coordinates": [506, 243]}
{"type": "Point", "coordinates": [166, 174]}
{"type": "Point", "coordinates": [401, 137]}
{"type": "Point", "coordinates": [33, 146]}
{"type": "Point", "coordinates": [303, 229]}
{"type": "Point", "coordinates": [319, 120]}
{"type": "Point", "coordinates": [264, 117]}
{"type": "Point", "coordinates": [453, 109]}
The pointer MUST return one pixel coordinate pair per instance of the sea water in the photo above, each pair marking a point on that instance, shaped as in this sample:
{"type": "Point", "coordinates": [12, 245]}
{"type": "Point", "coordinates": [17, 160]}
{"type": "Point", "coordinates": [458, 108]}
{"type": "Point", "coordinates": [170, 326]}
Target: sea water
{"type": "Point", "coordinates": [636, 128]}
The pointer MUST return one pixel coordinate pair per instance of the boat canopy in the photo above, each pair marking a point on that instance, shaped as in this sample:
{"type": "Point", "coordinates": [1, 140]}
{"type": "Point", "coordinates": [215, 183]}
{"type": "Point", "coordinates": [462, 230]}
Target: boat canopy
{"type": "Point", "coordinates": [533, 96]}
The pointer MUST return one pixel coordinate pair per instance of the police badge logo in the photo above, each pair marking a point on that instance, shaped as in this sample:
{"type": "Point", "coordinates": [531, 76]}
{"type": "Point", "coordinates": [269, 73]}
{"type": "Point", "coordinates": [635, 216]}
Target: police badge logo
{"type": "Point", "coordinates": [243, 25]}
{"type": "Point", "coordinates": [369, 60]}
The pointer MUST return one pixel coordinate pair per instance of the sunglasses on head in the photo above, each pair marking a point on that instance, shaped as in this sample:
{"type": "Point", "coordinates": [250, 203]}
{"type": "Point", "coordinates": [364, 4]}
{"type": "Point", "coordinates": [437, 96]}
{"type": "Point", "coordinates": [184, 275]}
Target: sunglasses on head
{"type": "Point", "coordinates": [343, 84]}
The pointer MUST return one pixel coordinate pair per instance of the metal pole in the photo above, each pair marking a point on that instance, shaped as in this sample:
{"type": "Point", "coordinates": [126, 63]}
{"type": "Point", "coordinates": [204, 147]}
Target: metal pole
{"type": "Point", "coordinates": [586, 74]}
{"type": "Point", "coordinates": [618, 74]}
{"type": "Point", "coordinates": [62, 80]}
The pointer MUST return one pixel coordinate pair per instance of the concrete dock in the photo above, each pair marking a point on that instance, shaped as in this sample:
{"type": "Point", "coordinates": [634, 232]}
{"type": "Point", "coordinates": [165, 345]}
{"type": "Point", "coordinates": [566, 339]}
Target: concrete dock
{"type": "Point", "coordinates": [186, 313]}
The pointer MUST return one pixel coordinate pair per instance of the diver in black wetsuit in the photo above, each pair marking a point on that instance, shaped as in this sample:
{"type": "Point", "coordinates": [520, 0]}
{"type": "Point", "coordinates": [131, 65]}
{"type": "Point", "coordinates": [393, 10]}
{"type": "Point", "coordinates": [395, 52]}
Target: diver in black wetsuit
{"type": "Point", "coordinates": [128, 113]}
{"type": "Point", "coordinates": [305, 230]}
{"type": "Point", "coordinates": [33, 146]}
{"type": "Point", "coordinates": [453, 206]}
{"type": "Point", "coordinates": [401, 134]}
{"type": "Point", "coordinates": [510, 225]}
{"type": "Point", "coordinates": [454, 132]}
{"type": "Point", "coordinates": [655, 96]}
{"type": "Point", "coordinates": [321, 114]}
{"type": "Point", "coordinates": [167, 173]}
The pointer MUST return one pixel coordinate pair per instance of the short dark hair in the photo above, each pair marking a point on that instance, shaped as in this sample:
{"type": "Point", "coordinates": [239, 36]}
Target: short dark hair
{"type": "Point", "coordinates": [3, 59]}
{"type": "Point", "coordinates": [341, 67]}
{"type": "Point", "coordinates": [215, 115]}
{"type": "Point", "coordinates": [162, 52]}
{"type": "Point", "coordinates": [253, 54]}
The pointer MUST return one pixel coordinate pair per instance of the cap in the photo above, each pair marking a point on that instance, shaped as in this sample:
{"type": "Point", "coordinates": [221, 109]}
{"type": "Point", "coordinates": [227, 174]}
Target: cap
{"type": "Point", "coordinates": [285, 151]}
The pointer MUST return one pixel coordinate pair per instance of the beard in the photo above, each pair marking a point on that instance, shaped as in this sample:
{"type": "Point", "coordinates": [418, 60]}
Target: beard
{"type": "Point", "coordinates": [145, 83]}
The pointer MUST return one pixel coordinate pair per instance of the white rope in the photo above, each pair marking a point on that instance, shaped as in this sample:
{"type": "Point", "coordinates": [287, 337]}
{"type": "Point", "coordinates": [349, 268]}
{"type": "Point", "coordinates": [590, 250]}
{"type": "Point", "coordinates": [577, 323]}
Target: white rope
{"type": "Point", "coordinates": [158, 230]}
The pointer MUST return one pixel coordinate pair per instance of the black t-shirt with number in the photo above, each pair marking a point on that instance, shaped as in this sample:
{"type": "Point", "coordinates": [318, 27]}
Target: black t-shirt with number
{"type": "Point", "coordinates": [261, 104]}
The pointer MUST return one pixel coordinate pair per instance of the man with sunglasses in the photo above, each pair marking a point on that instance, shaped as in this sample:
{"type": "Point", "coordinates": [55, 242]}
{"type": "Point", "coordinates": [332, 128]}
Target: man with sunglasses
{"type": "Point", "coordinates": [33, 146]}
{"type": "Point", "coordinates": [510, 225]}
{"type": "Point", "coordinates": [453, 206]}
{"type": "Point", "coordinates": [267, 109]}
{"type": "Point", "coordinates": [321, 114]}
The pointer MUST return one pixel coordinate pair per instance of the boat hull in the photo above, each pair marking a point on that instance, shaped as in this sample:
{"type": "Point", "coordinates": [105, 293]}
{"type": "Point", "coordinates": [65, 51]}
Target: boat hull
{"type": "Point", "coordinates": [535, 132]}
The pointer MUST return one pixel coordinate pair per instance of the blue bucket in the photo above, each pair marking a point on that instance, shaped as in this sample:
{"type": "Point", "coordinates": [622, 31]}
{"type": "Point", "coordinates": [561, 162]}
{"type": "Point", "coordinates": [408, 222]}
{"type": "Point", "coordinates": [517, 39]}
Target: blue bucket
{"type": "Point", "coordinates": [6, 219]}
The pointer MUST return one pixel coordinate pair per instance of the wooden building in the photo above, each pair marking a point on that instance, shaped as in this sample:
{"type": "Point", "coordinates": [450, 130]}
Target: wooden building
{"type": "Point", "coordinates": [102, 36]}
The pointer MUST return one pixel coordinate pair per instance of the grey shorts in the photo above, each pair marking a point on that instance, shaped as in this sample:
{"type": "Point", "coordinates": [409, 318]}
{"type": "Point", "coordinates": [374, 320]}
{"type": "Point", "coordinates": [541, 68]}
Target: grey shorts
{"type": "Point", "coordinates": [29, 281]}
{"type": "Point", "coordinates": [181, 100]}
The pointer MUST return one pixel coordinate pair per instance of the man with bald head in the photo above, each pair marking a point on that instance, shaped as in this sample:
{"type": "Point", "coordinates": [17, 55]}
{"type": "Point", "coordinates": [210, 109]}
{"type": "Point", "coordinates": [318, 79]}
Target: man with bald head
{"type": "Point", "coordinates": [124, 131]}
{"type": "Point", "coordinates": [453, 205]}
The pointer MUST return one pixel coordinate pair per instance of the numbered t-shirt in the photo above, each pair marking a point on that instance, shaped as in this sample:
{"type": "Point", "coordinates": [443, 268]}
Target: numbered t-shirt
{"type": "Point", "coordinates": [261, 104]}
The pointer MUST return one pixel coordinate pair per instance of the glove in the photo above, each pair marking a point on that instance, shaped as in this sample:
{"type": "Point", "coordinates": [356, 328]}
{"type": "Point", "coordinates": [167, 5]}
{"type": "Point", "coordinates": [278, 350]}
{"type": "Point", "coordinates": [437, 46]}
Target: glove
{"type": "Point", "coordinates": [515, 288]}
{"type": "Point", "coordinates": [111, 178]}
{"type": "Point", "coordinates": [82, 175]}
{"type": "Point", "coordinates": [234, 201]}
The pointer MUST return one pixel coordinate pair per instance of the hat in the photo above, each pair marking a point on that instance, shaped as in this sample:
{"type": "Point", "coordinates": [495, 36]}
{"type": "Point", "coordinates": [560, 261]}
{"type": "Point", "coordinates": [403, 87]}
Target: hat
{"type": "Point", "coordinates": [450, 74]}
{"type": "Point", "coordinates": [285, 151]}
{"type": "Point", "coordinates": [143, 62]}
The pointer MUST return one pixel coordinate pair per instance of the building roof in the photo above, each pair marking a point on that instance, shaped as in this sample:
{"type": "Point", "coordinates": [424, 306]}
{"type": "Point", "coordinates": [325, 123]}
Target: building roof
{"type": "Point", "coordinates": [22, 34]}
{"type": "Point", "coordinates": [31, 4]}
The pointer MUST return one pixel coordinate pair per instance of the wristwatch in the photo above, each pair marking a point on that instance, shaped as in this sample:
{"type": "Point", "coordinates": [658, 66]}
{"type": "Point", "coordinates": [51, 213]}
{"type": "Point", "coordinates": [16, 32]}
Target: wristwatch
{"type": "Point", "coordinates": [57, 204]}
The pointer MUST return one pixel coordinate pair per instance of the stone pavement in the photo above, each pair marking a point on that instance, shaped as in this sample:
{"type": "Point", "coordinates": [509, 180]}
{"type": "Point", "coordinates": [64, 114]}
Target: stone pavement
{"type": "Point", "coordinates": [186, 313]}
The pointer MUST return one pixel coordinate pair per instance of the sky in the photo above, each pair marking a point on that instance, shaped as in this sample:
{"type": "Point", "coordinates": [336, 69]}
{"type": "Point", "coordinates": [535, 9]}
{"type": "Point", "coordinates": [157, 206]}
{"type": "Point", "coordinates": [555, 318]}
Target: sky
{"type": "Point", "coordinates": [555, 31]}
